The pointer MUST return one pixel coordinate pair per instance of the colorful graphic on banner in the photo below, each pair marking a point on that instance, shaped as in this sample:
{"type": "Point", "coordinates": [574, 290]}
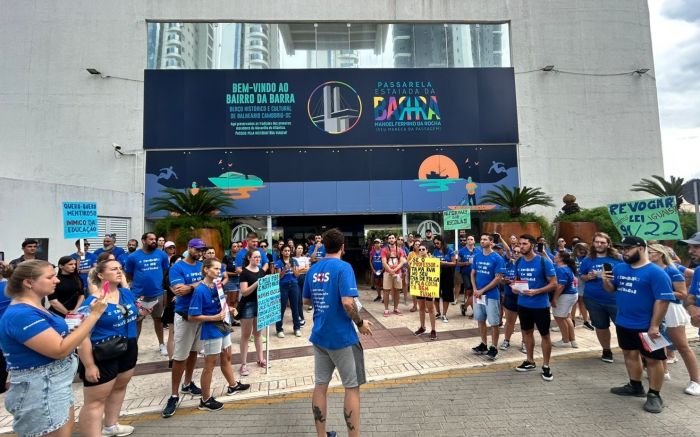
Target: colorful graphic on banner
{"type": "Point", "coordinates": [79, 220]}
{"type": "Point", "coordinates": [269, 304]}
{"type": "Point", "coordinates": [425, 277]}
{"type": "Point", "coordinates": [193, 109]}
{"type": "Point", "coordinates": [651, 219]}
{"type": "Point", "coordinates": [454, 220]}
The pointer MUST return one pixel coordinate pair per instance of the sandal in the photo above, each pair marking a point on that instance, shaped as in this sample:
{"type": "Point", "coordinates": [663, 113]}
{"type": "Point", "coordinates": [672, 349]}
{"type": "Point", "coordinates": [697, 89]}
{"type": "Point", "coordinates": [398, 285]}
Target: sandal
{"type": "Point", "coordinates": [263, 363]}
{"type": "Point", "coordinates": [386, 313]}
{"type": "Point", "coordinates": [413, 309]}
{"type": "Point", "coordinates": [398, 312]}
{"type": "Point", "coordinates": [244, 370]}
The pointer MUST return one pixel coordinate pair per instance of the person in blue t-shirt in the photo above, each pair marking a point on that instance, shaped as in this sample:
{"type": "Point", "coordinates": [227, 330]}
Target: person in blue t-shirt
{"type": "Point", "coordinates": [510, 300]}
{"type": "Point", "coordinates": [376, 267]}
{"type": "Point", "coordinates": [39, 351]}
{"type": "Point", "coordinates": [208, 307]}
{"type": "Point", "coordinates": [601, 306]}
{"type": "Point", "coordinates": [692, 304]}
{"type": "Point", "coordinates": [131, 247]}
{"type": "Point", "coordinates": [289, 290]}
{"type": "Point", "coordinates": [487, 269]}
{"type": "Point", "coordinates": [533, 302]}
{"type": "Point", "coordinates": [145, 269]}
{"type": "Point", "coordinates": [185, 276]}
{"type": "Point", "coordinates": [564, 298]}
{"type": "Point", "coordinates": [109, 245]}
{"type": "Point", "coordinates": [465, 256]}
{"type": "Point", "coordinates": [448, 259]}
{"type": "Point", "coordinates": [253, 241]}
{"type": "Point", "coordinates": [318, 250]}
{"type": "Point", "coordinates": [330, 285]}
{"type": "Point", "coordinates": [643, 292]}
{"type": "Point", "coordinates": [580, 253]}
{"type": "Point", "coordinates": [86, 261]}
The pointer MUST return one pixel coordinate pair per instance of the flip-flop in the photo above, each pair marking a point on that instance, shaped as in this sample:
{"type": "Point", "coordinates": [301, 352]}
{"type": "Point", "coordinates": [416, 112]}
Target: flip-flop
{"type": "Point", "coordinates": [263, 363]}
{"type": "Point", "coordinates": [386, 313]}
{"type": "Point", "coordinates": [413, 310]}
{"type": "Point", "coordinates": [398, 312]}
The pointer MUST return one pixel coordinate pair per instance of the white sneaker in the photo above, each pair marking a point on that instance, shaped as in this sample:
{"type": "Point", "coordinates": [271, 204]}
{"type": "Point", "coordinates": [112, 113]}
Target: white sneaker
{"type": "Point", "coordinates": [574, 344]}
{"type": "Point", "coordinates": [554, 329]}
{"type": "Point", "coordinates": [673, 360]}
{"type": "Point", "coordinates": [693, 389]}
{"type": "Point", "coordinates": [560, 343]}
{"type": "Point", "coordinates": [523, 349]}
{"type": "Point", "coordinates": [280, 334]}
{"type": "Point", "coordinates": [117, 430]}
{"type": "Point", "coordinates": [667, 376]}
{"type": "Point", "coordinates": [163, 350]}
{"type": "Point", "coordinates": [445, 319]}
{"type": "Point", "coordinates": [297, 333]}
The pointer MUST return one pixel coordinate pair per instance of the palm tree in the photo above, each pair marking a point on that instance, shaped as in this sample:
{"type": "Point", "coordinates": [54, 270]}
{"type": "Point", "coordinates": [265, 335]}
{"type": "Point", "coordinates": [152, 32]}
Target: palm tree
{"type": "Point", "coordinates": [517, 198]}
{"type": "Point", "coordinates": [661, 188]}
{"type": "Point", "coordinates": [206, 202]}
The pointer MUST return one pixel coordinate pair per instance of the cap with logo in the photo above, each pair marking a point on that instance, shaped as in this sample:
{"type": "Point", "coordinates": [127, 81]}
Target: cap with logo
{"type": "Point", "coordinates": [632, 242]}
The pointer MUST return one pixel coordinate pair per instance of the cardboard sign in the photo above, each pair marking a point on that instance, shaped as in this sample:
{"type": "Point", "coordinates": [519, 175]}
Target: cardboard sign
{"type": "Point", "coordinates": [79, 220]}
{"type": "Point", "coordinates": [425, 277]}
{"type": "Point", "coordinates": [454, 220]}
{"type": "Point", "coordinates": [269, 304]}
{"type": "Point", "coordinates": [651, 219]}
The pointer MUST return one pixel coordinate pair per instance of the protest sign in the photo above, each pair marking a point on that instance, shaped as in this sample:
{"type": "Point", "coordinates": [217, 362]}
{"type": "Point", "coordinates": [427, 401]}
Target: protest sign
{"type": "Point", "coordinates": [453, 220]}
{"type": "Point", "coordinates": [79, 220]}
{"type": "Point", "coordinates": [425, 277]}
{"type": "Point", "coordinates": [651, 219]}
{"type": "Point", "coordinates": [269, 304]}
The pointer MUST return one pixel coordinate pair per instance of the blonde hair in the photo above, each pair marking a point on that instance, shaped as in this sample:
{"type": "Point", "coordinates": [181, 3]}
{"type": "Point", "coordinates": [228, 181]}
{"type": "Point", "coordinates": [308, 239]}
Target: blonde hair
{"type": "Point", "coordinates": [31, 270]}
{"type": "Point", "coordinates": [665, 254]}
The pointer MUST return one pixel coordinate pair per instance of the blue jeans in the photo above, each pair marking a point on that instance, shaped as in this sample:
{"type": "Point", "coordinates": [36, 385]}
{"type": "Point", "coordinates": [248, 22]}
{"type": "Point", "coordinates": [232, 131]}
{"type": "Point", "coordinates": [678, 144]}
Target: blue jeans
{"type": "Point", "coordinates": [289, 291]}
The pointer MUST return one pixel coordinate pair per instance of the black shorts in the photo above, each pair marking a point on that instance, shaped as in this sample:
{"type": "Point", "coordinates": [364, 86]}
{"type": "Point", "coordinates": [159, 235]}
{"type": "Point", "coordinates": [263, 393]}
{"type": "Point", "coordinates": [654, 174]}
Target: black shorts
{"type": "Point", "coordinates": [109, 369]}
{"type": "Point", "coordinates": [168, 317]}
{"type": "Point", "coordinates": [510, 302]}
{"type": "Point", "coordinates": [447, 284]}
{"type": "Point", "coordinates": [529, 317]}
{"type": "Point", "coordinates": [628, 339]}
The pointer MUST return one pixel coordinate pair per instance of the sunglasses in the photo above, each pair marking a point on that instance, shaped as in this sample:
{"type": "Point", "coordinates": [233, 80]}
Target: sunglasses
{"type": "Point", "coordinates": [422, 249]}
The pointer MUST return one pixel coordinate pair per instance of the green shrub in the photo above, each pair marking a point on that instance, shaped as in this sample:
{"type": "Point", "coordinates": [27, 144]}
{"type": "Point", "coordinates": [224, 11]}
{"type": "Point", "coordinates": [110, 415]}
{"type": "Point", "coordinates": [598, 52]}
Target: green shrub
{"type": "Point", "coordinates": [598, 215]}
{"type": "Point", "coordinates": [187, 225]}
{"type": "Point", "coordinates": [547, 229]}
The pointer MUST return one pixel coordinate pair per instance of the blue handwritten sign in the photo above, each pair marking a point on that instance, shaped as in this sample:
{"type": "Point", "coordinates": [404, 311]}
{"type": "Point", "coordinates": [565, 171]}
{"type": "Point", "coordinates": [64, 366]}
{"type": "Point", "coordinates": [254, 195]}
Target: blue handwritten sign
{"type": "Point", "coordinates": [79, 220]}
{"type": "Point", "coordinates": [269, 304]}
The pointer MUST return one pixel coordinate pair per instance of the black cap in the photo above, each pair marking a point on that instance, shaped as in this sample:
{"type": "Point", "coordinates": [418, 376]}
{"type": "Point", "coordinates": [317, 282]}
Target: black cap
{"type": "Point", "coordinates": [632, 242]}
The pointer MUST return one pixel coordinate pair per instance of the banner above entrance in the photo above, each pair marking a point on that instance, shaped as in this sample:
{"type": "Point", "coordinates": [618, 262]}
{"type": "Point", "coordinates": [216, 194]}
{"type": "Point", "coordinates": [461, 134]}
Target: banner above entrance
{"type": "Point", "coordinates": [189, 109]}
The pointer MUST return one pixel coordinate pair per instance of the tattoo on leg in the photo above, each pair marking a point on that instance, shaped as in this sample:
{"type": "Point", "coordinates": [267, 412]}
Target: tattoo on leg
{"type": "Point", "coordinates": [318, 415]}
{"type": "Point", "coordinates": [347, 415]}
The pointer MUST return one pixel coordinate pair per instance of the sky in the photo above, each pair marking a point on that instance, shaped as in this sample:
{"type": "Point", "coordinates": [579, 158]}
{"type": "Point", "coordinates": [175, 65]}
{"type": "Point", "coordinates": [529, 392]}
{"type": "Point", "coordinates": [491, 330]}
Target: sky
{"type": "Point", "coordinates": [675, 32]}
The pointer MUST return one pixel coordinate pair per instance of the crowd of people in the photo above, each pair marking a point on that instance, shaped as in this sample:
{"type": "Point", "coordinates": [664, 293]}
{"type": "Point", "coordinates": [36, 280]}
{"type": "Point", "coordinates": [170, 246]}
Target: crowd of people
{"type": "Point", "coordinates": [94, 303]}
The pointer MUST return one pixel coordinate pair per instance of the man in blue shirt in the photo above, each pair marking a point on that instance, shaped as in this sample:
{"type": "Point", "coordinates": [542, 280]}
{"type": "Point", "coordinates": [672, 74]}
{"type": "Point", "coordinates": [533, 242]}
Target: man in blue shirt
{"type": "Point", "coordinates": [109, 245]}
{"type": "Point", "coordinates": [86, 260]}
{"type": "Point", "coordinates": [253, 241]}
{"type": "Point", "coordinates": [144, 270]}
{"type": "Point", "coordinates": [330, 285]}
{"type": "Point", "coordinates": [131, 247]}
{"type": "Point", "coordinates": [464, 261]}
{"type": "Point", "coordinates": [533, 302]}
{"type": "Point", "coordinates": [643, 291]}
{"type": "Point", "coordinates": [691, 302]}
{"type": "Point", "coordinates": [318, 250]}
{"type": "Point", "coordinates": [601, 306]}
{"type": "Point", "coordinates": [486, 275]}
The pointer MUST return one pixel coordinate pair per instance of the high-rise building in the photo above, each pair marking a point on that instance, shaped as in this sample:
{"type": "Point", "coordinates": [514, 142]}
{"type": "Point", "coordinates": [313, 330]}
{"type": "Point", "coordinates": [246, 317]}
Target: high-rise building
{"type": "Point", "coordinates": [186, 45]}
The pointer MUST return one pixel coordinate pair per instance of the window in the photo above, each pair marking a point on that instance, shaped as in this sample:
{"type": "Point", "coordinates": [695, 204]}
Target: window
{"type": "Point", "coordinates": [112, 225]}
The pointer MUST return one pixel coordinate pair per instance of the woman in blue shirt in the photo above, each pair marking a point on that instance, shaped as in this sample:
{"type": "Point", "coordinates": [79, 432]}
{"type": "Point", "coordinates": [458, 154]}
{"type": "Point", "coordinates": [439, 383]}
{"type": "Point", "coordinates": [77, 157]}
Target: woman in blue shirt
{"type": "Point", "coordinates": [208, 306]}
{"type": "Point", "coordinates": [447, 275]}
{"type": "Point", "coordinates": [39, 352]}
{"type": "Point", "coordinates": [565, 297]}
{"type": "Point", "coordinates": [289, 290]}
{"type": "Point", "coordinates": [105, 379]}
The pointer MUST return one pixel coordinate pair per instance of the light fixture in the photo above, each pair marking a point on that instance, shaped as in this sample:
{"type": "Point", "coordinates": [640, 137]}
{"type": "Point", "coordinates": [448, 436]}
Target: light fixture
{"type": "Point", "coordinates": [548, 68]}
{"type": "Point", "coordinates": [641, 71]}
{"type": "Point", "coordinates": [93, 71]}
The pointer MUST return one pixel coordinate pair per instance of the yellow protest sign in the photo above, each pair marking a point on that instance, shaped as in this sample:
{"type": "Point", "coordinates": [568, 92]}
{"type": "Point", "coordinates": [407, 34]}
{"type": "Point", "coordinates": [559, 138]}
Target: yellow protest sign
{"type": "Point", "coordinates": [425, 277]}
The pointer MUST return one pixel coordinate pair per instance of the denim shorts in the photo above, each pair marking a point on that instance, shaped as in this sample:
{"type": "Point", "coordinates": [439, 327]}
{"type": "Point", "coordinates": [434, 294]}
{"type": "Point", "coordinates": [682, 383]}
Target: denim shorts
{"type": "Point", "coordinates": [39, 398]}
{"type": "Point", "coordinates": [601, 314]}
{"type": "Point", "coordinates": [233, 284]}
{"type": "Point", "coordinates": [491, 311]}
{"type": "Point", "coordinates": [249, 310]}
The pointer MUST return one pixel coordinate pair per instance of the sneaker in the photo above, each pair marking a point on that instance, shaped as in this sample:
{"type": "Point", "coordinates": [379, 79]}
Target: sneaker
{"type": "Point", "coordinates": [523, 349]}
{"type": "Point", "coordinates": [171, 406]}
{"type": "Point", "coordinates": [607, 356]}
{"type": "Point", "coordinates": [454, 303]}
{"type": "Point", "coordinates": [481, 349]}
{"type": "Point", "coordinates": [667, 376]}
{"type": "Point", "coordinates": [693, 389]}
{"type": "Point", "coordinates": [377, 299]}
{"type": "Point", "coordinates": [433, 335]}
{"type": "Point", "coordinates": [297, 333]}
{"type": "Point", "coordinates": [673, 360]}
{"type": "Point", "coordinates": [280, 334]}
{"type": "Point", "coordinates": [211, 404]}
{"type": "Point", "coordinates": [554, 329]}
{"type": "Point", "coordinates": [163, 350]}
{"type": "Point", "coordinates": [309, 308]}
{"type": "Point", "coordinates": [492, 353]}
{"type": "Point", "coordinates": [587, 325]}
{"type": "Point", "coordinates": [547, 373]}
{"type": "Point", "coordinates": [526, 366]}
{"type": "Point", "coordinates": [445, 319]}
{"type": "Point", "coordinates": [505, 345]}
{"type": "Point", "coordinates": [574, 344]}
{"type": "Point", "coordinates": [331, 434]}
{"type": "Point", "coordinates": [191, 388]}
{"type": "Point", "coordinates": [386, 313]}
{"type": "Point", "coordinates": [654, 404]}
{"type": "Point", "coordinates": [628, 390]}
{"type": "Point", "coordinates": [243, 370]}
{"type": "Point", "coordinates": [302, 322]}
{"type": "Point", "coordinates": [419, 331]}
{"type": "Point", "coordinates": [117, 430]}
{"type": "Point", "coordinates": [233, 389]}
{"type": "Point", "coordinates": [560, 343]}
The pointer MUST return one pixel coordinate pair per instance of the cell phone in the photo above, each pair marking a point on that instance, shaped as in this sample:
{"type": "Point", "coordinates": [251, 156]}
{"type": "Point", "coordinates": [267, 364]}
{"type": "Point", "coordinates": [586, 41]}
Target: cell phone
{"type": "Point", "coordinates": [496, 238]}
{"type": "Point", "coordinates": [607, 267]}
{"type": "Point", "coordinates": [540, 247]}
{"type": "Point", "coordinates": [105, 289]}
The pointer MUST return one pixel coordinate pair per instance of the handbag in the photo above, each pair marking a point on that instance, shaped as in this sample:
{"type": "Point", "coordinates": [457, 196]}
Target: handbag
{"type": "Point", "coordinates": [223, 327]}
{"type": "Point", "coordinates": [109, 348]}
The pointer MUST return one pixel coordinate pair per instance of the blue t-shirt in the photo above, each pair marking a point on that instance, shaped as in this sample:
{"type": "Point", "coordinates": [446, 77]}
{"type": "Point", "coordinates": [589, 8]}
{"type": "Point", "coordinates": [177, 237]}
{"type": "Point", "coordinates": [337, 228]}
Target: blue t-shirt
{"type": "Point", "coordinates": [320, 253]}
{"type": "Point", "coordinates": [327, 281]}
{"type": "Point", "coordinates": [485, 269]}
{"type": "Point", "coordinates": [637, 291]}
{"type": "Point", "coordinates": [240, 257]}
{"type": "Point", "coordinates": [85, 264]}
{"type": "Point", "coordinates": [466, 255]}
{"type": "Point", "coordinates": [116, 251]}
{"type": "Point", "coordinates": [681, 268]}
{"type": "Point", "coordinates": [205, 302]}
{"type": "Point", "coordinates": [694, 288]}
{"type": "Point", "coordinates": [117, 320]}
{"type": "Point", "coordinates": [184, 273]}
{"type": "Point", "coordinates": [676, 276]}
{"type": "Point", "coordinates": [531, 271]}
{"type": "Point", "coordinates": [510, 274]}
{"type": "Point", "coordinates": [147, 271]}
{"type": "Point", "coordinates": [4, 300]}
{"type": "Point", "coordinates": [565, 277]}
{"type": "Point", "coordinates": [376, 257]}
{"type": "Point", "coordinates": [447, 256]}
{"type": "Point", "coordinates": [286, 274]}
{"type": "Point", "coordinates": [594, 288]}
{"type": "Point", "coordinates": [19, 324]}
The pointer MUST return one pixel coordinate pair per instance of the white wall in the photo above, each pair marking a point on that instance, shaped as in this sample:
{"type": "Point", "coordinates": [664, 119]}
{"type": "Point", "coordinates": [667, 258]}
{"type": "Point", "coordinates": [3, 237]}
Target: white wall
{"type": "Point", "coordinates": [590, 136]}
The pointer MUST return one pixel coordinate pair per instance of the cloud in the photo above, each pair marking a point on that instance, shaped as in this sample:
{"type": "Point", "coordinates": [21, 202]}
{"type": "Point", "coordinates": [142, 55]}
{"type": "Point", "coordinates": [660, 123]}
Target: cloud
{"type": "Point", "coordinates": [684, 10]}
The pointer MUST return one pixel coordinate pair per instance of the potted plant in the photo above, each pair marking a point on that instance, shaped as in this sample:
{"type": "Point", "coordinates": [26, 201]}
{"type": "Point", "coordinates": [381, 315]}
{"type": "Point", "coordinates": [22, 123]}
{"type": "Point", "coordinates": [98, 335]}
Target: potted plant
{"type": "Point", "coordinates": [193, 214]}
{"type": "Point", "coordinates": [514, 221]}
{"type": "Point", "coordinates": [570, 222]}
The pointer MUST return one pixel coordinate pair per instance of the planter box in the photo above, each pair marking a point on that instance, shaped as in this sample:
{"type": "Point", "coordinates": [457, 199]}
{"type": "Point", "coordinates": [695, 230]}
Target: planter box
{"type": "Point", "coordinates": [584, 230]}
{"type": "Point", "coordinates": [506, 229]}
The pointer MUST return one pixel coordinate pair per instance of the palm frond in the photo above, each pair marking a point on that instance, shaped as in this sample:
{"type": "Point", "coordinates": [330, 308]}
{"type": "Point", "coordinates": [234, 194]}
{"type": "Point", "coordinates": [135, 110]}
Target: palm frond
{"type": "Point", "coordinates": [516, 198]}
{"type": "Point", "coordinates": [661, 187]}
{"type": "Point", "coordinates": [204, 203]}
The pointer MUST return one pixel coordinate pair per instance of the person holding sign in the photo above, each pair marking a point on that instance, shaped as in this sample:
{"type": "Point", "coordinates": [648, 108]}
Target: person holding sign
{"type": "Point", "coordinates": [208, 306]}
{"type": "Point", "coordinates": [393, 259]}
{"type": "Point", "coordinates": [248, 308]}
{"type": "Point", "coordinates": [643, 292]}
{"type": "Point", "coordinates": [486, 276]}
{"type": "Point", "coordinates": [423, 302]}
{"type": "Point", "coordinates": [331, 286]}
{"type": "Point", "coordinates": [447, 275]}
{"type": "Point", "coordinates": [289, 290]}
